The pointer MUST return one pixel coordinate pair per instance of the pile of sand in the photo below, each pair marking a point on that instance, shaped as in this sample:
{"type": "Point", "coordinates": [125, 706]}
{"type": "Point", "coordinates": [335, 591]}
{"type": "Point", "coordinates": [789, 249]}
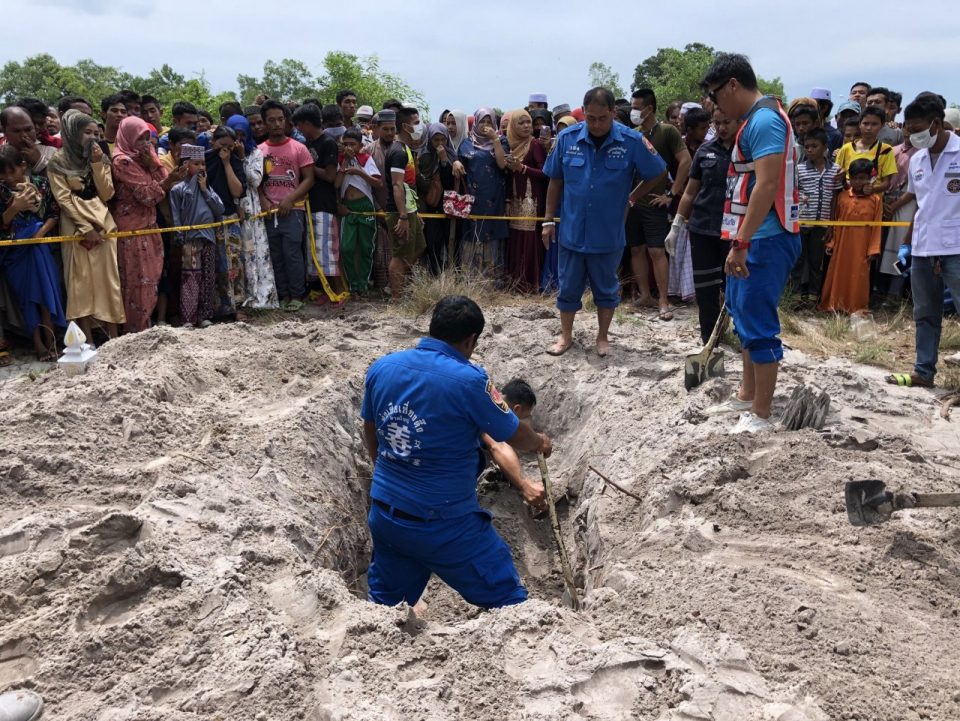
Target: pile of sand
{"type": "Point", "coordinates": [183, 537]}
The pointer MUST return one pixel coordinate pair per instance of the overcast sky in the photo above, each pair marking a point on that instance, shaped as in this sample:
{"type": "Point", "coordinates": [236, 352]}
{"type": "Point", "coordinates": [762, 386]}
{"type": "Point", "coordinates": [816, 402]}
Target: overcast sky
{"type": "Point", "coordinates": [465, 55]}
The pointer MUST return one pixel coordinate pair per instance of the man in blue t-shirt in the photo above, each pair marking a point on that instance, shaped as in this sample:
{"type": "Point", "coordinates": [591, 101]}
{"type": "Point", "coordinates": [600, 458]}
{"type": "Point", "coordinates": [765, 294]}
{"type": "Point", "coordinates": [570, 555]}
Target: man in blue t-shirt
{"type": "Point", "coordinates": [762, 227]}
{"type": "Point", "coordinates": [592, 169]}
{"type": "Point", "coordinates": [424, 412]}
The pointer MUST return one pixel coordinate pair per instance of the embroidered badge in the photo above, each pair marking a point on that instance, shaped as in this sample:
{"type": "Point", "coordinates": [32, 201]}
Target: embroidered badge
{"type": "Point", "coordinates": [954, 185]}
{"type": "Point", "coordinates": [649, 145]}
{"type": "Point", "coordinates": [496, 397]}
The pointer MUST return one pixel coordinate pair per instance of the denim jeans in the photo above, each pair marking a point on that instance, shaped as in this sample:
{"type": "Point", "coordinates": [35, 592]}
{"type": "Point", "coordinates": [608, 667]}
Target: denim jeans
{"type": "Point", "coordinates": [928, 306]}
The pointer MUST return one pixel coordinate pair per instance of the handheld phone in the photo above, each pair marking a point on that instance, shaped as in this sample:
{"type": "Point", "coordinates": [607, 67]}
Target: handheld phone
{"type": "Point", "coordinates": [545, 132]}
{"type": "Point", "coordinates": [898, 267]}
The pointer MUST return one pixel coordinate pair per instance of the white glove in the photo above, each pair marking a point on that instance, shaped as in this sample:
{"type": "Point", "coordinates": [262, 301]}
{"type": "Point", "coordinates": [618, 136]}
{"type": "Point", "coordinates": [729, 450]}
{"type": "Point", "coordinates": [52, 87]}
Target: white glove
{"type": "Point", "coordinates": [670, 242]}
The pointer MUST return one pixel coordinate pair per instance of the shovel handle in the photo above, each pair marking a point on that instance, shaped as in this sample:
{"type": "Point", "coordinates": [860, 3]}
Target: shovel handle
{"type": "Point", "coordinates": [936, 500]}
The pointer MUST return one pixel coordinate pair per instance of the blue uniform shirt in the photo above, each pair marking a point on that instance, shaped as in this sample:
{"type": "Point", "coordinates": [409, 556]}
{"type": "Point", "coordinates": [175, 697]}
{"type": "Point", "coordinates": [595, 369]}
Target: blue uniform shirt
{"type": "Point", "coordinates": [430, 405]}
{"type": "Point", "coordinates": [764, 134]}
{"type": "Point", "coordinates": [596, 184]}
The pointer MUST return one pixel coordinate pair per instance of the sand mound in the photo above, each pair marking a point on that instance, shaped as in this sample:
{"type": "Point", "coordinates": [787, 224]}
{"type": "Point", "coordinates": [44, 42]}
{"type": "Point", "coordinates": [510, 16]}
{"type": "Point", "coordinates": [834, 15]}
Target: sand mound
{"type": "Point", "coordinates": [183, 537]}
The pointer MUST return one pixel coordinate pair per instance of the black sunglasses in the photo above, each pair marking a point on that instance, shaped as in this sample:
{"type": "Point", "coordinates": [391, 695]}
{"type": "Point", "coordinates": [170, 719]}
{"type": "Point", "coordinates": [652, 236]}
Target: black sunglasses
{"type": "Point", "coordinates": [712, 94]}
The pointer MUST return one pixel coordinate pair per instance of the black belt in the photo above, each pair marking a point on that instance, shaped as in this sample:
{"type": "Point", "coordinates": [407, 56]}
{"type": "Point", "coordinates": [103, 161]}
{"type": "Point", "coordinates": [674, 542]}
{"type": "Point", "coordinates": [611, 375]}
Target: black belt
{"type": "Point", "coordinates": [397, 513]}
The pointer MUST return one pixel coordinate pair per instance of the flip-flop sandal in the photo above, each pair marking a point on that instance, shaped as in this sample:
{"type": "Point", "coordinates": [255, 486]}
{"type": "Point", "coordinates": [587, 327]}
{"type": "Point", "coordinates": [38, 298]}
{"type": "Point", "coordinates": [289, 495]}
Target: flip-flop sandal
{"type": "Point", "coordinates": [48, 357]}
{"type": "Point", "coordinates": [665, 314]}
{"type": "Point", "coordinates": [551, 351]}
{"type": "Point", "coordinates": [908, 380]}
{"type": "Point", "coordinates": [293, 306]}
{"type": "Point", "coordinates": [5, 359]}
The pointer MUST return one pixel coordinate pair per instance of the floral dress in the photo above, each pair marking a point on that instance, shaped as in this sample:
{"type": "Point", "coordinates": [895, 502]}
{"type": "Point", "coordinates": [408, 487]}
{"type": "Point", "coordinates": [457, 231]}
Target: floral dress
{"type": "Point", "coordinates": [261, 289]}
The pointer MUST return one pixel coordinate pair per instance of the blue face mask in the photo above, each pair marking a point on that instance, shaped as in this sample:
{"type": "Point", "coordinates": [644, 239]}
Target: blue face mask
{"type": "Point", "coordinates": [335, 133]}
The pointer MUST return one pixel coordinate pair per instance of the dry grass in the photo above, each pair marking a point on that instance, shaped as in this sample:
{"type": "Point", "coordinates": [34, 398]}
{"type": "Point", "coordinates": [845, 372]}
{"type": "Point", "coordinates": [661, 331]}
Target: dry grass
{"type": "Point", "coordinates": [837, 327]}
{"type": "Point", "coordinates": [423, 291]}
{"type": "Point", "coordinates": [873, 353]}
{"type": "Point", "coordinates": [950, 338]}
{"type": "Point", "coordinates": [949, 378]}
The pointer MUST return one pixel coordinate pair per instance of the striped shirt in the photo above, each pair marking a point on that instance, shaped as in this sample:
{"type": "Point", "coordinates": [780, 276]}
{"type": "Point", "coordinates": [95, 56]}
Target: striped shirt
{"type": "Point", "coordinates": [818, 190]}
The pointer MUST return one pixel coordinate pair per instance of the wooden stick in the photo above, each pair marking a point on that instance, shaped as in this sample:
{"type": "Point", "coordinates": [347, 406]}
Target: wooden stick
{"type": "Point", "coordinates": [615, 485]}
{"type": "Point", "coordinates": [557, 534]}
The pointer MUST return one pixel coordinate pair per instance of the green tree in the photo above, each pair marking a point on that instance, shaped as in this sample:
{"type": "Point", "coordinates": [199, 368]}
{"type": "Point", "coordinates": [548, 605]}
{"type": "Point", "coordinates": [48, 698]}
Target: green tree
{"type": "Point", "coordinates": [286, 80]}
{"type": "Point", "coordinates": [603, 76]}
{"type": "Point", "coordinates": [675, 74]}
{"type": "Point", "coordinates": [364, 76]}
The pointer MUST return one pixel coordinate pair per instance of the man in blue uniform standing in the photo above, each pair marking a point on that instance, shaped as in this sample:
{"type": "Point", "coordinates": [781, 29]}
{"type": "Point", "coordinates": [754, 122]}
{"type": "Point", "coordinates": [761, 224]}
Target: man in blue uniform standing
{"type": "Point", "coordinates": [761, 219]}
{"type": "Point", "coordinates": [592, 170]}
{"type": "Point", "coordinates": [424, 411]}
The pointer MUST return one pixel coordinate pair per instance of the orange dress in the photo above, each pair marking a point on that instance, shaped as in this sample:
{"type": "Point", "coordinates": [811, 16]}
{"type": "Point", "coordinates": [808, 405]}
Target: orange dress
{"type": "Point", "coordinates": [847, 287]}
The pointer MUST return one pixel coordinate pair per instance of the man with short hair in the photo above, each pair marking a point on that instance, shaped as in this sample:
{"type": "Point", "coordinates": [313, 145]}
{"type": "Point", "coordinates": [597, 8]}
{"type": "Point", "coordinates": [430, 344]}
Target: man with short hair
{"type": "Point", "coordinates": [152, 113]}
{"type": "Point", "coordinates": [880, 98]}
{"type": "Point", "coordinates": [131, 101]}
{"type": "Point", "coordinates": [74, 102]}
{"type": "Point", "coordinates": [288, 177]}
{"type": "Point", "coordinates": [324, 150]}
{"type": "Point", "coordinates": [410, 131]}
{"type": "Point", "coordinates": [761, 219]}
{"type": "Point", "coordinates": [933, 242]}
{"type": "Point", "coordinates": [228, 110]}
{"type": "Point", "coordinates": [592, 169]}
{"type": "Point", "coordinates": [894, 101]}
{"type": "Point", "coordinates": [113, 111]}
{"type": "Point", "coordinates": [53, 122]}
{"type": "Point", "coordinates": [204, 122]}
{"type": "Point", "coordinates": [253, 115]}
{"type": "Point", "coordinates": [185, 115]}
{"type": "Point", "coordinates": [424, 412]}
{"type": "Point", "coordinates": [347, 101]}
{"type": "Point", "coordinates": [38, 110]}
{"type": "Point", "coordinates": [648, 221]}
{"type": "Point", "coordinates": [537, 101]}
{"type": "Point", "coordinates": [20, 132]}
{"type": "Point", "coordinates": [848, 110]}
{"type": "Point", "coordinates": [392, 104]}
{"type": "Point", "coordinates": [859, 92]}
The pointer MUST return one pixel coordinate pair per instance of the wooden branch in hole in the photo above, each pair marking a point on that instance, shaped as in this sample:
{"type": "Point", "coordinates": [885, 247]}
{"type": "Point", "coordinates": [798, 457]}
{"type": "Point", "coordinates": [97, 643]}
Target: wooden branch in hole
{"type": "Point", "coordinates": [615, 485]}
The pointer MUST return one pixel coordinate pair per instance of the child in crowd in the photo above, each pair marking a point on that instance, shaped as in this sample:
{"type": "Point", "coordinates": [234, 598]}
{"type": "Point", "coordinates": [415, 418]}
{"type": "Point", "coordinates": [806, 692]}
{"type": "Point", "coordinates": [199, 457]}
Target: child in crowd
{"type": "Point", "coordinates": [192, 202]}
{"type": "Point", "coordinates": [852, 249]}
{"type": "Point", "coordinates": [851, 133]}
{"type": "Point", "coordinates": [868, 147]}
{"type": "Point", "coordinates": [357, 177]}
{"type": "Point", "coordinates": [29, 211]}
{"type": "Point", "coordinates": [818, 186]}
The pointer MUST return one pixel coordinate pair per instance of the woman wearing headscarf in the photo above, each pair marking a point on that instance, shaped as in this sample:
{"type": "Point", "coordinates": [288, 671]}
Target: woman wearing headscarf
{"type": "Point", "coordinates": [261, 289]}
{"type": "Point", "coordinates": [456, 122]}
{"type": "Point", "coordinates": [483, 155]}
{"type": "Point", "coordinates": [141, 183]}
{"type": "Point", "coordinates": [227, 178]}
{"type": "Point", "coordinates": [434, 176]}
{"type": "Point", "coordinates": [82, 182]}
{"type": "Point", "coordinates": [527, 197]}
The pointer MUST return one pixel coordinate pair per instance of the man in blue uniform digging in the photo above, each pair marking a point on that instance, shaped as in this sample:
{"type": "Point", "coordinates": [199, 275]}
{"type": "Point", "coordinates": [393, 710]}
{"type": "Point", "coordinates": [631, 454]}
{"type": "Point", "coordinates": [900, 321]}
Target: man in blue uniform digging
{"type": "Point", "coordinates": [424, 412]}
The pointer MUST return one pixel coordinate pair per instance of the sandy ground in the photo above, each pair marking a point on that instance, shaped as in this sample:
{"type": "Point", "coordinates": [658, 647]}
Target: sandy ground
{"type": "Point", "coordinates": [182, 536]}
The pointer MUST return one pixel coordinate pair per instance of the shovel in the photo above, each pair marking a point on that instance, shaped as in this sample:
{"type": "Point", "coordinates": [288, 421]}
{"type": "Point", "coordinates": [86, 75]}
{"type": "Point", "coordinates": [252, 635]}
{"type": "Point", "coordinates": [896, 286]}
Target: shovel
{"type": "Point", "coordinates": [870, 503]}
{"type": "Point", "coordinates": [708, 363]}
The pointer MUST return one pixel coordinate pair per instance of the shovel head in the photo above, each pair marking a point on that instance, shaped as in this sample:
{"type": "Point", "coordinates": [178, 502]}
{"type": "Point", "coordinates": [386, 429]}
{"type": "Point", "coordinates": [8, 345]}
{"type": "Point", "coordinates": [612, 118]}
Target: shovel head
{"type": "Point", "coordinates": [697, 368]}
{"type": "Point", "coordinates": [868, 502]}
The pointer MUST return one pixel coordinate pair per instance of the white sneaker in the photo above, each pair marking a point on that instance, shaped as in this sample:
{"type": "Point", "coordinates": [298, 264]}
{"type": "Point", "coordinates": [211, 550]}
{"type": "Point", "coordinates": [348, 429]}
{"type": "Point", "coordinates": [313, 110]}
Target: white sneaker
{"type": "Point", "coordinates": [731, 405]}
{"type": "Point", "coordinates": [205, 324]}
{"type": "Point", "coordinates": [750, 423]}
{"type": "Point", "coordinates": [22, 705]}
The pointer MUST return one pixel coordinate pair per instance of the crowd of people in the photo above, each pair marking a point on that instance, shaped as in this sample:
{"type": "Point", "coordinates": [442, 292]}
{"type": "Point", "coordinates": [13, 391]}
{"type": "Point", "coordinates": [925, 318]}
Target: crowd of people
{"type": "Point", "coordinates": [356, 197]}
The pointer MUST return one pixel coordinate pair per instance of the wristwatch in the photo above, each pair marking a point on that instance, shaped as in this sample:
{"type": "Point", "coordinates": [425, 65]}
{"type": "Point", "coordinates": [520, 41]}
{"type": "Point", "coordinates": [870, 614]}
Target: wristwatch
{"type": "Point", "coordinates": [668, 192]}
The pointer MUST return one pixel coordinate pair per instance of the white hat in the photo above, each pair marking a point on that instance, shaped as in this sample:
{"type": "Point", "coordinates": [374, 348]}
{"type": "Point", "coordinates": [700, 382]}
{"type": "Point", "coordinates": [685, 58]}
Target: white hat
{"type": "Point", "coordinates": [364, 111]}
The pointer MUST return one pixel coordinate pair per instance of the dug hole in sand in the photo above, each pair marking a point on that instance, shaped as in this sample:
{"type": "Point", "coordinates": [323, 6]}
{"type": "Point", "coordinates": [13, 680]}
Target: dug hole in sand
{"type": "Point", "coordinates": [183, 536]}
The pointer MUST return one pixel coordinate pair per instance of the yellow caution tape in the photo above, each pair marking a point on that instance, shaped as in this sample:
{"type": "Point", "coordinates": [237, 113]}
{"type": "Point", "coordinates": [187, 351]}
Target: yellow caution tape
{"type": "Point", "coordinates": [334, 297]}
{"type": "Point", "coordinates": [381, 214]}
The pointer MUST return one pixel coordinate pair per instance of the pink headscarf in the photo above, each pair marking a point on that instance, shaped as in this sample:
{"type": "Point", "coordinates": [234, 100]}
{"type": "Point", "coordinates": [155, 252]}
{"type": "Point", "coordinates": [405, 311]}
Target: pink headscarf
{"type": "Point", "coordinates": [481, 142]}
{"type": "Point", "coordinates": [125, 151]}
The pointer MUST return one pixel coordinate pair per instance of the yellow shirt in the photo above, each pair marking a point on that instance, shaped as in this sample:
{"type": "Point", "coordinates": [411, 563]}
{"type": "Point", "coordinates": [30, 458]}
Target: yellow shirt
{"type": "Point", "coordinates": [886, 163]}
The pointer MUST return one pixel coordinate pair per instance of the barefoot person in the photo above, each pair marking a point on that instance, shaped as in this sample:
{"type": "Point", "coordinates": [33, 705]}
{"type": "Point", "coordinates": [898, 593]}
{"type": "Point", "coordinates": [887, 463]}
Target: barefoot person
{"type": "Point", "coordinates": [424, 411]}
{"type": "Point", "coordinates": [934, 238]}
{"type": "Point", "coordinates": [761, 221]}
{"type": "Point", "coordinates": [592, 170]}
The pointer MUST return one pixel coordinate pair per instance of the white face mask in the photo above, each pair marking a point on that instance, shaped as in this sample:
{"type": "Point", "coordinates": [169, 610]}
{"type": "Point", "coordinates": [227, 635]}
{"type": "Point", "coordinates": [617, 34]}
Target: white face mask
{"type": "Point", "coordinates": [416, 131]}
{"type": "Point", "coordinates": [923, 140]}
{"type": "Point", "coordinates": [636, 117]}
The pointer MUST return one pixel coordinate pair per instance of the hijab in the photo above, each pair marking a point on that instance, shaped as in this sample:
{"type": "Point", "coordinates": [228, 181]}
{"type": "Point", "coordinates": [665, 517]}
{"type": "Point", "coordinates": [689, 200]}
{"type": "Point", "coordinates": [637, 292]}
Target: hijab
{"type": "Point", "coordinates": [74, 157]}
{"type": "Point", "coordinates": [429, 161]}
{"type": "Point", "coordinates": [566, 121]}
{"type": "Point", "coordinates": [125, 151]}
{"type": "Point", "coordinates": [462, 128]}
{"type": "Point", "coordinates": [481, 142]}
{"type": "Point", "coordinates": [519, 147]}
{"type": "Point", "coordinates": [239, 124]}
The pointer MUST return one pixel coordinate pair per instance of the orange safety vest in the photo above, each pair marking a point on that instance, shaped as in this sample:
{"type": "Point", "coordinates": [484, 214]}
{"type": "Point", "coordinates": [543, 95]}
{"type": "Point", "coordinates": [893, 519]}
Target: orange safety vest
{"type": "Point", "coordinates": [742, 169]}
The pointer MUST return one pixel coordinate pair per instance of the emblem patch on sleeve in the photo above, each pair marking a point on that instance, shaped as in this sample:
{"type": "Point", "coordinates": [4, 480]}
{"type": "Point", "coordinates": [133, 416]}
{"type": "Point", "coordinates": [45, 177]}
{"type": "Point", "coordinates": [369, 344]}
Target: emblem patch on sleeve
{"type": "Point", "coordinates": [496, 397]}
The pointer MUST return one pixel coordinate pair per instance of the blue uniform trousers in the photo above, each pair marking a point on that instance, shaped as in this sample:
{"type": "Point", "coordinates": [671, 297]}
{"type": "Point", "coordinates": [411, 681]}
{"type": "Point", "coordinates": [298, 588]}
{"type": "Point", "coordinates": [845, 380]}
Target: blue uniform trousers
{"type": "Point", "coordinates": [465, 552]}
